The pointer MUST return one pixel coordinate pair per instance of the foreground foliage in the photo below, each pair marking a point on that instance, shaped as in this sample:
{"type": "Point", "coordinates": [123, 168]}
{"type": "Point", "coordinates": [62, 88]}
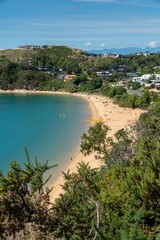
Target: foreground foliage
{"type": "Point", "coordinates": [24, 204]}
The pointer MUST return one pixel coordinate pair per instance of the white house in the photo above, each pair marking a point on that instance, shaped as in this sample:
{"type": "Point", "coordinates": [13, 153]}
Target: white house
{"type": "Point", "coordinates": [110, 55]}
{"type": "Point", "coordinates": [143, 80]}
{"type": "Point", "coordinates": [157, 76]}
{"type": "Point", "coordinates": [103, 74]}
{"type": "Point", "coordinates": [157, 84]}
{"type": "Point", "coordinates": [146, 76]}
{"type": "Point", "coordinates": [136, 79]}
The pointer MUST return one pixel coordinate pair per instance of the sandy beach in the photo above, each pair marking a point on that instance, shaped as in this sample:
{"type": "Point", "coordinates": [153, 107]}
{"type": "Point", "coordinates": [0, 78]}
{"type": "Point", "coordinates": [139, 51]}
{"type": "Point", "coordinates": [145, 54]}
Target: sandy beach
{"type": "Point", "coordinates": [112, 115]}
{"type": "Point", "coordinates": [101, 108]}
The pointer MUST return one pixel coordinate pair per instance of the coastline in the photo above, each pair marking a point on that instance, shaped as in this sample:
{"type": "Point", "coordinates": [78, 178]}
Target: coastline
{"type": "Point", "coordinates": [101, 108]}
{"type": "Point", "coordinates": [113, 116]}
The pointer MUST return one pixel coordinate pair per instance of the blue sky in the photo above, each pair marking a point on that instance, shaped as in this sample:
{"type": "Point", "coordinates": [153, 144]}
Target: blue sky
{"type": "Point", "coordinates": [84, 24]}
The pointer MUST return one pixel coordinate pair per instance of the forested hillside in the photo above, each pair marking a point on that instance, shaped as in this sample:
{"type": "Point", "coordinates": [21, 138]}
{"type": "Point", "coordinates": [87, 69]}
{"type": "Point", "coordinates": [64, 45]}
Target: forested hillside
{"type": "Point", "coordinates": [121, 200]}
{"type": "Point", "coordinates": [45, 69]}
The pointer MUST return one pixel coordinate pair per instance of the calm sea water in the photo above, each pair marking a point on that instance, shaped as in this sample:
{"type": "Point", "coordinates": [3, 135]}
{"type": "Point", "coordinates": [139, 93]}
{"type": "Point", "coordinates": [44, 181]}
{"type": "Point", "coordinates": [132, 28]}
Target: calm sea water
{"type": "Point", "coordinates": [50, 126]}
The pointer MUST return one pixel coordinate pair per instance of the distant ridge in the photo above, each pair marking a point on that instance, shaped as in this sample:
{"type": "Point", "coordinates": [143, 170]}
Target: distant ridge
{"type": "Point", "coordinates": [129, 50]}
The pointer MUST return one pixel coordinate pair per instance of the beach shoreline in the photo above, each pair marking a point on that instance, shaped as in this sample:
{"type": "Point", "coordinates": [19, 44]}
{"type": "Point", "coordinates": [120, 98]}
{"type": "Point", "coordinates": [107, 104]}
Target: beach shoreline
{"type": "Point", "coordinates": [102, 108]}
{"type": "Point", "coordinates": [112, 115]}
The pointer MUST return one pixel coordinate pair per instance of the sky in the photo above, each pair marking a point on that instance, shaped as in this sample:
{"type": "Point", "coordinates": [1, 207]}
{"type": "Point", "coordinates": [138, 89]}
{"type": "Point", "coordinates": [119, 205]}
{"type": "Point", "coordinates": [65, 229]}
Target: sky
{"type": "Point", "coordinates": [83, 24]}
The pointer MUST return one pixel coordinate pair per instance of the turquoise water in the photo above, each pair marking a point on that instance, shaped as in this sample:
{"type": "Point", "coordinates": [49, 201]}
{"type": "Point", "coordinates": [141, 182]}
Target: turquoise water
{"type": "Point", "coordinates": [50, 126]}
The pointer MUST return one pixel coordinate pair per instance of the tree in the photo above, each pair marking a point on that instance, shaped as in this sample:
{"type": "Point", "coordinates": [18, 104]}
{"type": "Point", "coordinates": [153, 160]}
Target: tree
{"type": "Point", "coordinates": [96, 140]}
{"type": "Point", "coordinates": [144, 100]}
{"type": "Point", "coordinates": [24, 204]}
{"type": "Point", "coordinates": [82, 79]}
{"type": "Point", "coordinates": [77, 211]}
{"type": "Point", "coordinates": [134, 85]}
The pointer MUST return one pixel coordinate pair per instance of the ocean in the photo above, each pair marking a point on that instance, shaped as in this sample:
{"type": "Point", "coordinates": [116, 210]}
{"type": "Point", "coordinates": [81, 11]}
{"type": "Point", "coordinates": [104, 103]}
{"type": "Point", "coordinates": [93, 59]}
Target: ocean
{"type": "Point", "coordinates": [49, 126]}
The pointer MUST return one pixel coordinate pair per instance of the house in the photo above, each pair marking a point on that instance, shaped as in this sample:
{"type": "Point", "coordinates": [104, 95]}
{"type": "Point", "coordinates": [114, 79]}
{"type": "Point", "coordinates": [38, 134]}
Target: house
{"type": "Point", "coordinates": [146, 76]}
{"type": "Point", "coordinates": [46, 69]}
{"type": "Point", "coordinates": [51, 70]}
{"type": "Point", "coordinates": [147, 53]}
{"type": "Point", "coordinates": [139, 53]}
{"type": "Point", "coordinates": [113, 68]}
{"type": "Point", "coordinates": [157, 76]}
{"type": "Point", "coordinates": [110, 55]}
{"type": "Point", "coordinates": [99, 73]}
{"type": "Point", "coordinates": [123, 68]}
{"type": "Point", "coordinates": [136, 79]}
{"type": "Point", "coordinates": [34, 47]}
{"type": "Point", "coordinates": [141, 79]}
{"type": "Point", "coordinates": [132, 74]}
{"type": "Point", "coordinates": [157, 84]}
{"type": "Point", "coordinates": [30, 47]}
{"type": "Point", "coordinates": [156, 67]}
{"type": "Point", "coordinates": [148, 79]}
{"type": "Point", "coordinates": [103, 74]}
{"type": "Point", "coordinates": [61, 76]}
{"type": "Point", "coordinates": [156, 81]}
{"type": "Point", "coordinates": [69, 77]}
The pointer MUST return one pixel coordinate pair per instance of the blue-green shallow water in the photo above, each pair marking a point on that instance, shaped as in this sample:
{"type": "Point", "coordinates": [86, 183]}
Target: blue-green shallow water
{"type": "Point", "coordinates": [50, 126]}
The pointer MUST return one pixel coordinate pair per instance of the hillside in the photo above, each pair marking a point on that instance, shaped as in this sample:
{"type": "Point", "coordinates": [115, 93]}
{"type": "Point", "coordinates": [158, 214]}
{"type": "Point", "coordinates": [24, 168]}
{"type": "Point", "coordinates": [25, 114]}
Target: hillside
{"type": "Point", "coordinates": [60, 68]}
{"type": "Point", "coordinates": [18, 54]}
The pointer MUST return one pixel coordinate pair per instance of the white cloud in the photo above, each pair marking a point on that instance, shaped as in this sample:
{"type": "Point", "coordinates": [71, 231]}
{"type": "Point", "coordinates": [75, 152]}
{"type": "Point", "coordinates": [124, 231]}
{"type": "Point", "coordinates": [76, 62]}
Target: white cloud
{"type": "Point", "coordinates": [105, 1]}
{"type": "Point", "coordinates": [140, 3]}
{"type": "Point", "coordinates": [152, 44]}
{"type": "Point", "coordinates": [88, 44]}
{"type": "Point", "coordinates": [102, 45]}
{"type": "Point", "coordinates": [88, 28]}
